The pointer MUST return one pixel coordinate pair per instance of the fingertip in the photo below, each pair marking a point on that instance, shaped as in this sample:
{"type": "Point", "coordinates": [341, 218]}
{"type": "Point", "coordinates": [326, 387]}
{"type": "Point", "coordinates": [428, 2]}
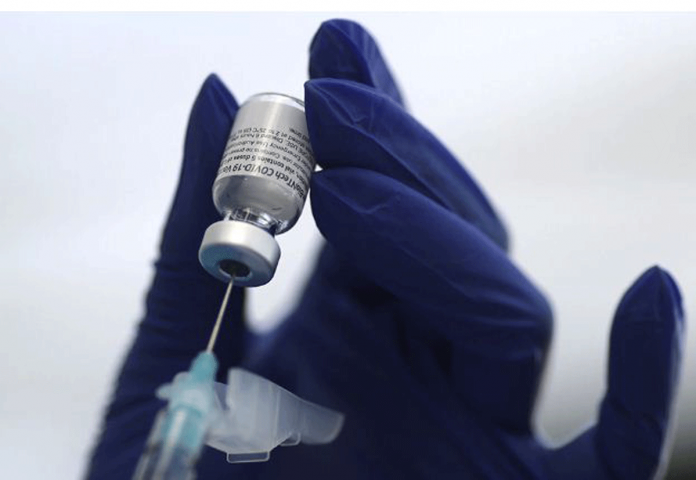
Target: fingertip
{"type": "Point", "coordinates": [644, 367]}
{"type": "Point", "coordinates": [214, 106]}
{"type": "Point", "coordinates": [214, 85]}
{"type": "Point", "coordinates": [209, 125]}
{"type": "Point", "coordinates": [213, 81]}
{"type": "Point", "coordinates": [646, 343]}
{"type": "Point", "coordinates": [675, 291]}
{"type": "Point", "coordinates": [654, 296]}
{"type": "Point", "coordinates": [344, 49]}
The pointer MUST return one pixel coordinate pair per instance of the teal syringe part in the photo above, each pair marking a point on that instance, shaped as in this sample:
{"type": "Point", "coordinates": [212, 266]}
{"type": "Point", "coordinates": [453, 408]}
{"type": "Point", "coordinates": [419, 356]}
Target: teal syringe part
{"type": "Point", "coordinates": [191, 403]}
{"type": "Point", "coordinates": [179, 432]}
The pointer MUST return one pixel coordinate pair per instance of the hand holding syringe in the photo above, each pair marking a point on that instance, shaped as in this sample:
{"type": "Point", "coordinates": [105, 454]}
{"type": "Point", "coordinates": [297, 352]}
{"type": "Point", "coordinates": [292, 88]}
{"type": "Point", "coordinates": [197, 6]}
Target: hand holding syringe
{"type": "Point", "coordinates": [178, 435]}
{"type": "Point", "coordinates": [251, 415]}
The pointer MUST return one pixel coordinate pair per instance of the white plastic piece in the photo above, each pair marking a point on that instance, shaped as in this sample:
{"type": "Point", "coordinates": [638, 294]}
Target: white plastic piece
{"type": "Point", "coordinates": [256, 415]}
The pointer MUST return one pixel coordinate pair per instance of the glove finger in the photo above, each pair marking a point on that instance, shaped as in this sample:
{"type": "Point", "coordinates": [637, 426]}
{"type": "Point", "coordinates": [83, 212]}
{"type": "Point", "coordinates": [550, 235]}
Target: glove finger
{"type": "Point", "coordinates": [351, 125]}
{"type": "Point", "coordinates": [450, 281]}
{"type": "Point", "coordinates": [183, 300]}
{"type": "Point", "coordinates": [644, 363]}
{"type": "Point", "coordinates": [193, 210]}
{"type": "Point", "coordinates": [344, 49]}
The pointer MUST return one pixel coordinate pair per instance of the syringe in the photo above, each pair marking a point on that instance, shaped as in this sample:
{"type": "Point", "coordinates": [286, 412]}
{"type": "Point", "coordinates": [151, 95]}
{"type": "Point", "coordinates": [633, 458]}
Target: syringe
{"type": "Point", "coordinates": [179, 432]}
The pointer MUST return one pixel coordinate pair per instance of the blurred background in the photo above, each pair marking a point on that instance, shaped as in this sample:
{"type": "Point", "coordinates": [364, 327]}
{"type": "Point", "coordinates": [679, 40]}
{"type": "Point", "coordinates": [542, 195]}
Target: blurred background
{"type": "Point", "coordinates": [579, 126]}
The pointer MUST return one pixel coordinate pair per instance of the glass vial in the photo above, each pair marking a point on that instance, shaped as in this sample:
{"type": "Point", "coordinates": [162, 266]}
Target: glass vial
{"type": "Point", "coordinates": [260, 189]}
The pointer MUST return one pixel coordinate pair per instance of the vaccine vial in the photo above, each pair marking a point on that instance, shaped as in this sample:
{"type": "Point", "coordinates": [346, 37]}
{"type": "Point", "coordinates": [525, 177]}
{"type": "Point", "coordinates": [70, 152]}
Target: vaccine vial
{"type": "Point", "coordinates": [260, 189]}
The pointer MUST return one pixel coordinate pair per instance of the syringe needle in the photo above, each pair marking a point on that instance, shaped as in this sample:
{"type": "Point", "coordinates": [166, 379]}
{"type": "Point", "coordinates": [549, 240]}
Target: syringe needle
{"type": "Point", "coordinates": [221, 313]}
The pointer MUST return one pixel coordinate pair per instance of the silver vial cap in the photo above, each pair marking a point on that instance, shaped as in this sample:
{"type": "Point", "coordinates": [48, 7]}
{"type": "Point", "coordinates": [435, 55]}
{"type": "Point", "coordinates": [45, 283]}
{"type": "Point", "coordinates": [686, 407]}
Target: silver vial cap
{"type": "Point", "coordinates": [250, 250]}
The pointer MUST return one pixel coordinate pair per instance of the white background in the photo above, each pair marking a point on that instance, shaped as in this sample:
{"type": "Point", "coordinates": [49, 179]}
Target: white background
{"type": "Point", "coordinates": [580, 127]}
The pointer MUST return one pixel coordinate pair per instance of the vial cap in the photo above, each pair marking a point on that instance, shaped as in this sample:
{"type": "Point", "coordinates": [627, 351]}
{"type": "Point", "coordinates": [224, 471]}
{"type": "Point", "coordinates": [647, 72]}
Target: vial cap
{"type": "Point", "coordinates": [249, 251]}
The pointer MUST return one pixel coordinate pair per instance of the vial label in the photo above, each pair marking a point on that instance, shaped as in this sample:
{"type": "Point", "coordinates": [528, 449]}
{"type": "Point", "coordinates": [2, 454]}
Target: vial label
{"type": "Point", "coordinates": [269, 139]}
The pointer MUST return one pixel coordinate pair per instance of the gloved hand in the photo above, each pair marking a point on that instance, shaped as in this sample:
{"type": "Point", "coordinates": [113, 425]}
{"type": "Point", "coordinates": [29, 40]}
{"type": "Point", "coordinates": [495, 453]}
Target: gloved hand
{"type": "Point", "coordinates": [416, 324]}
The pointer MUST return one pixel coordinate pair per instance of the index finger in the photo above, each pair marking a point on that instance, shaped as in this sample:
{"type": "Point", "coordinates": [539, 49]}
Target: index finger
{"type": "Point", "coordinates": [345, 50]}
{"type": "Point", "coordinates": [351, 125]}
{"type": "Point", "coordinates": [354, 105]}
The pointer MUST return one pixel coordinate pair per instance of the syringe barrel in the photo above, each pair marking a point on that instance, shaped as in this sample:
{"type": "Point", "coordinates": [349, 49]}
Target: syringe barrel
{"type": "Point", "coordinates": [174, 446]}
{"type": "Point", "coordinates": [178, 435]}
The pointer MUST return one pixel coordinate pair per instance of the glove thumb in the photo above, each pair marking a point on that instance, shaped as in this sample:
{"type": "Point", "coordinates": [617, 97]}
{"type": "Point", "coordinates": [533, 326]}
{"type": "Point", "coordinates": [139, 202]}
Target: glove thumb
{"type": "Point", "coordinates": [183, 300]}
{"type": "Point", "coordinates": [645, 354]}
{"type": "Point", "coordinates": [193, 211]}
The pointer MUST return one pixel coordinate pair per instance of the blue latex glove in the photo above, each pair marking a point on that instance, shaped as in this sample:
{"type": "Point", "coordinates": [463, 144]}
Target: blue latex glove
{"type": "Point", "coordinates": [416, 324]}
